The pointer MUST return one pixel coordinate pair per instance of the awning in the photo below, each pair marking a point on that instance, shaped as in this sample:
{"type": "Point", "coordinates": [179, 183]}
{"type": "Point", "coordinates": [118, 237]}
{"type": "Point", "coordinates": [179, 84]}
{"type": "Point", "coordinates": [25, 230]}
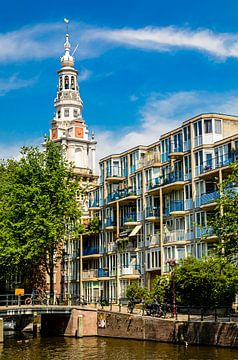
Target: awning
{"type": "Point", "coordinates": [135, 230]}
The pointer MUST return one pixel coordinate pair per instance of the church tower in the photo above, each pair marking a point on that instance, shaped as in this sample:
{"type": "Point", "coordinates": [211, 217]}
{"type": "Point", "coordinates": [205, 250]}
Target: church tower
{"type": "Point", "coordinates": [68, 126]}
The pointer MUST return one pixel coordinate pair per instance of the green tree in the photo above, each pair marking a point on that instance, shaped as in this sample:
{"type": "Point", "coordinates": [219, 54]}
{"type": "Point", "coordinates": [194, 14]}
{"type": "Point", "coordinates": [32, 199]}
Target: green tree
{"type": "Point", "coordinates": [38, 211]}
{"type": "Point", "coordinates": [208, 282]}
{"type": "Point", "coordinates": [223, 222]}
{"type": "Point", "coordinates": [135, 291]}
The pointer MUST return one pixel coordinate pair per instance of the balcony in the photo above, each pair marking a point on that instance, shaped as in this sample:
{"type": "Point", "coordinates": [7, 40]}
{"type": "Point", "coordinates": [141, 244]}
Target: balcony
{"type": "Point", "coordinates": [176, 152]}
{"type": "Point", "coordinates": [92, 251]}
{"type": "Point", "coordinates": [174, 180]}
{"type": "Point", "coordinates": [130, 272]}
{"type": "Point", "coordinates": [209, 200]}
{"type": "Point", "coordinates": [152, 213]}
{"type": "Point", "coordinates": [188, 204]}
{"type": "Point", "coordinates": [111, 247]}
{"type": "Point", "coordinates": [103, 273]}
{"type": "Point", "coordinates": [114, 174]}
{"type": "Point", "coordinates": [154, 183]}
{"type": "Point", "coordinates": [151, 159]}
{"type": "Point", "coordinates": [153, 241]}
{"type": "Point", "coordinates": [110, 223]}
{"type": "Point", "coordinates": [90, 274]}
{"type": "Point", "coordinates": [206, 233]}
{"type": "Point", "coordinates": [130, 219]}
{"type": "Point", "coordinates": [177, 207]}
{"type": "Point", "coordinates": [94, 204]}
{"type": "Point", "coordinates": [215, 163]}
{"type": "Point", "coordinates": [176, 236]}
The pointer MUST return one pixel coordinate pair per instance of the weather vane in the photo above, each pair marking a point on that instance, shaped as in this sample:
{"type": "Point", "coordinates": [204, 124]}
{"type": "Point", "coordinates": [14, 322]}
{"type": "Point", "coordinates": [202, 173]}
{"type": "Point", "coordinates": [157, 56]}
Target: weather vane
{"type": "Point", "coordinates": [67, 26]}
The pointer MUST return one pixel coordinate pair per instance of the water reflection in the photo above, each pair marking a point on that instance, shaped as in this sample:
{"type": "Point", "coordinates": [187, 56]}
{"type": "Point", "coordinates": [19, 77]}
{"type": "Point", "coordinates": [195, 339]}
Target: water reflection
{"type": "Point", "coordinates": [106, 349]}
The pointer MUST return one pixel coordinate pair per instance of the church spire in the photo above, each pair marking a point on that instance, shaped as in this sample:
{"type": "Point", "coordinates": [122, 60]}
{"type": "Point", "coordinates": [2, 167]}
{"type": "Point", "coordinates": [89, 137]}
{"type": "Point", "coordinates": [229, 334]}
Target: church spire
{"type": "Point", "coordinates": [67, 59]}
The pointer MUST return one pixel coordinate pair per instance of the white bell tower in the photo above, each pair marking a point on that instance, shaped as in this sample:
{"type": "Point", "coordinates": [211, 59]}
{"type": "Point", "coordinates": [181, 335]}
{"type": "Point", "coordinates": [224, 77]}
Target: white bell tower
{"type": "Point", "coordinates": [68, 126]}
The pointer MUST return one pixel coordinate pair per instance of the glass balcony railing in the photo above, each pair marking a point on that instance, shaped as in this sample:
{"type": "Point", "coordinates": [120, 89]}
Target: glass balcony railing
{"type": "Point", "coordinates": [153, 183]}
{"type": "Point", "coordinates": [152, 212]}
{"type": "Point", "coordinates": [176, 148]}
{"type": "Point", "coordinates": [120, 194]}
{"type": "Point", "coordinates": [172, 177]}
{"type": "Point", "coordinates": [103, 272]}
{"type": "Point", "coordinates": [188, 204]}
{"type": "Point", "coordinates": [203, 231]}
{"type": "Point", "coordinates": [130, 217]}
{"type": "Point", "coordinates": [89, 274]}
{"type": "Point", "coordinates": [110, 222]}
{"type": "Point", "coordinates": [210, 197]}
{"type": "Point", "coordinates": [130, 270]}
{"type": "Point", "coordinates": [94, 203]}
{"type": "Point", "coordinates": [177, 205]}
{"type": "Point", "coordinates": [92, 250]}
{"type": "Point", "coordinates": [216, 162]}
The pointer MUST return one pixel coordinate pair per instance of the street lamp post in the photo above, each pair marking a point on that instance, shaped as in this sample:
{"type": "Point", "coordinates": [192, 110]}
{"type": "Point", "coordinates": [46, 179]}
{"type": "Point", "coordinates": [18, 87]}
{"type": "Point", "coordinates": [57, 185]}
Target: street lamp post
{"type": "Point", "coordinates": [172, 264]}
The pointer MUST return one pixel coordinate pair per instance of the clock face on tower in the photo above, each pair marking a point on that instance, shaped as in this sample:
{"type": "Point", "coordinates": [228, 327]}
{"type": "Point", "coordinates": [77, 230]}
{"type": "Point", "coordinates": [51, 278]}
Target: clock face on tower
{"type": "Point", "coordinates": [78, 132]}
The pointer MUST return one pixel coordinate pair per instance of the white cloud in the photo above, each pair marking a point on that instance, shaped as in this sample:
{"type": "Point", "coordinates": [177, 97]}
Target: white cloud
{"type": "Point", "coordinates": [162, 113]}
{"type": "Point", "coordinates": [84, 75]}
{"type": "Point", "coordinates": [14, 83]}
{"type": "Point", "coordinates": [11, 150]}
{"type": "Point", "coordinates": [43, 41]}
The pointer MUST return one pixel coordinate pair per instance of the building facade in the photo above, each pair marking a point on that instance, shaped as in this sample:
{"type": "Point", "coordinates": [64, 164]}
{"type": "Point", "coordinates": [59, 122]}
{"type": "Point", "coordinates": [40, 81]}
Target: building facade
{"type": "Point", "coordinates": [69, 129]}
{"type": "Point", "coordinates": [153, 203]}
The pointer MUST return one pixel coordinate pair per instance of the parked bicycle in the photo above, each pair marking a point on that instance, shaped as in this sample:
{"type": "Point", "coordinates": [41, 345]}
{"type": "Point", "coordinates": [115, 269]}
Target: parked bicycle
{"type": "Point", "coordinates": [131, 304]}
{"type": "Point", "coordinates": [36, 298]}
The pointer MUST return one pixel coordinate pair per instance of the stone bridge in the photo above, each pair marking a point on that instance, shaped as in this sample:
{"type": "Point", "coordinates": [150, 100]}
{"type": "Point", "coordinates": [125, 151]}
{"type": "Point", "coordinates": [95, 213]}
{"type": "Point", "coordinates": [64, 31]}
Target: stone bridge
{"type": "Point", "coordinates": [55, 320]}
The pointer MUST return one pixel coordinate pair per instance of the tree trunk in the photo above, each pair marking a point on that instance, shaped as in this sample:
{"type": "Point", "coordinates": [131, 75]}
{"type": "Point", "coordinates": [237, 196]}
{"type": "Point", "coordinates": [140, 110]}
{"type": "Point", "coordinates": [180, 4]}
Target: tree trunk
{"type": "Point", "coordinates": [51, 263]}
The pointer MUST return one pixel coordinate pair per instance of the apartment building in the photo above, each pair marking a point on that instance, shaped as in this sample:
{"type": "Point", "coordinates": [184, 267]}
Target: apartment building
{"type": "Point", "coordinates": [152, 204]}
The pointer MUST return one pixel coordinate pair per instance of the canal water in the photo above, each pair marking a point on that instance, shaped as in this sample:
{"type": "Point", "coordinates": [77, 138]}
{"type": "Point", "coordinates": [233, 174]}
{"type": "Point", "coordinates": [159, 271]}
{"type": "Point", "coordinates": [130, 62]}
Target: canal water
{"type": "Point", "coordinates": [107, 349]}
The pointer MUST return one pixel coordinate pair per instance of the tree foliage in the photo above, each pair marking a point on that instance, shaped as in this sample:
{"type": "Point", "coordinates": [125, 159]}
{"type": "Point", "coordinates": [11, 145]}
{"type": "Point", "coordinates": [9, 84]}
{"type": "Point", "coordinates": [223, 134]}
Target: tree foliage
{"type": "Point", "coordinates": [224, 220]}
{"type": "Point", "coordinates": [209, 282]}
{"type": "Point", "coordinates": [38, 210]}
{"type": "Point", "coordinates": [135, 291]}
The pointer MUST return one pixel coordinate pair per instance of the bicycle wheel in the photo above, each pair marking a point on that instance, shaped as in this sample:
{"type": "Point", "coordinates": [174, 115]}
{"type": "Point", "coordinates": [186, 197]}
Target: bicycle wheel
{"type": "Point", "coordinates": [43, 301]}
{"type": "Point", "coordinates": [28, 301]}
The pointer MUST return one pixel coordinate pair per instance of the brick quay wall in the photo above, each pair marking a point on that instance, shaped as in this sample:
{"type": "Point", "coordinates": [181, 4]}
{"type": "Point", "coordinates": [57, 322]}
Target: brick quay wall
{"type": "Point", "coordinates": [137, 327]}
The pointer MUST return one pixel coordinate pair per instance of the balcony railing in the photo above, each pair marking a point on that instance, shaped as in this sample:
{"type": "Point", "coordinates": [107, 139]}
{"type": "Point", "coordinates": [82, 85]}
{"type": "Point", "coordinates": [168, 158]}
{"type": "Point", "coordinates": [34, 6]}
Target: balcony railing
{"type": "Point", "coordinates": [188, 204]}
{"type": "Point", "coordinates": [110, 222]}
{"type": "Point", "coordinates": [216, 162]}
{"type": "Point", "coordinates": [103, 272]}
{"type": "Point", "coordinates": [210, 197]}
{"type": "Point", "coordinates": [203, 231]}
{"type": "Point", "coordinates": [172, 177]}
{"type": "Point", "coordinates": [112, 246]}
{"type": "Point", "coordinates": [130, 217]}
{"type": "Point", "coordinates": [152, 212]}
{"type": "Point", "coordinates": [130, 270]}
{"type": "Point", "coordinates": [177, 205]}
{"type": "Point", "coordinates": [149, 159]}
{"type": "Point", "coordinates": [89, 274]}
{"type": "Point", "coordinates": [94, 203]}
{"type": "Point", "coordinates": [120, 194]}
{"type": "Point", "coordinates": [92, 250]}
{"type": "Point", "coordinates": [153, 240]}
{"type": "Point", "coordinates": [176, 148]}
{"type": "Point", "coordinates": [153, 183]}
{"type": "Point", "coordinates": [175, 235]}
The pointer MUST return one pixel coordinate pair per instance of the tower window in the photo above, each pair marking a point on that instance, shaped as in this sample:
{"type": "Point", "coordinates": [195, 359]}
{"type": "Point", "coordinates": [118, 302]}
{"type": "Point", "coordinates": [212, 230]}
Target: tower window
{"type": "Point", "coordinates": [61, 84]}
{"type": "Point", "coordinates": [75, 113]}
{"type": "Point", "coordinates": [66, 112]}
{"type": "Point", "coordinates": [72, 83]}
{"type": "Point", "coordinates": [59, 114]}
{"type": "Point", "coordinates": [66, 82]}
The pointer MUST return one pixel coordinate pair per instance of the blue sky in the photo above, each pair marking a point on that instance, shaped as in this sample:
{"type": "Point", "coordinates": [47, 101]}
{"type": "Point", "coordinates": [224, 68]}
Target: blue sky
{"type": "Point", "coordinates": [144, 66]}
